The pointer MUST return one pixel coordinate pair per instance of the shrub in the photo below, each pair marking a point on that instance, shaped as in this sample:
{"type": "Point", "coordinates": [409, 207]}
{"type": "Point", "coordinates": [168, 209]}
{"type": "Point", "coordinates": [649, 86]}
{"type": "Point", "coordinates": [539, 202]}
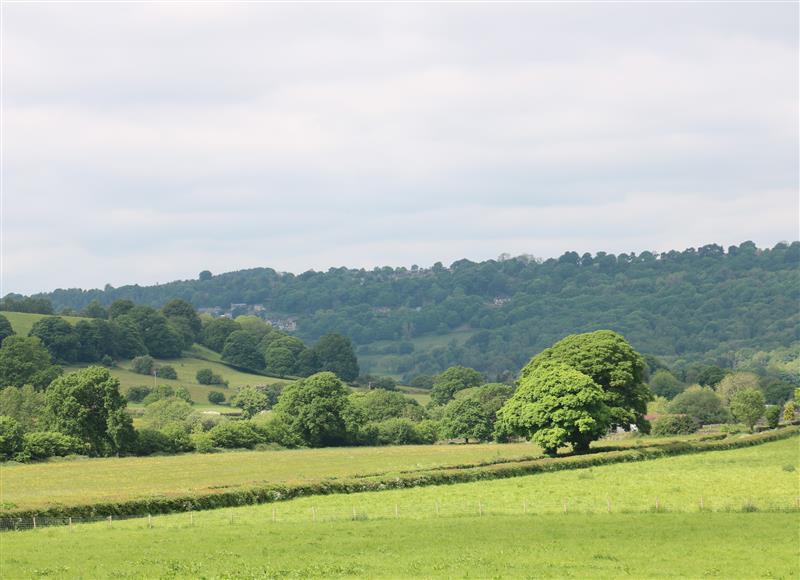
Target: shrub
{"type": "Point", "coordinates": [137, 394]}
{"type": "Point", "coordinates": [202, 442]}
{"type": "Point", "coordinates": [183, 393]}
{"type": "Point", "coordinates": [143, 365]}
{"type": "Point", "coordinates": [397, 431]}
{"type": "Point", "coordinates": [166, 372]}
{"type": "Point", "coordinates": [674, 425]}
{"type": "Point", "coordinates": [178, 438]}
{"type": "Point", "coordinates": [161, 413]}
{"type": "Point", "coordinates": [427, 431]}
{"type": "Point", "coordinates": [236, 434]}
{"type": "Point", "coordinates": [44, 444]}
{"type": "Point", "coordinates": [773, 415]}
{"type": "Point", "coordinates": [700, 403]}
{"type": "Point", "coordinates": [149, 441]}
{"type": "Point", "coordinates": [107, 361]}
{"type": "Point", "coordinates": [788, 411]}
{"type": "Point", "coordinates": [158, 393]}
{"type": "Point", "coordinates": [11, 440]}
{"type": "Point", "coordinates": [216, 398]}
{"type": "Point", "coordinates": [208, 377]}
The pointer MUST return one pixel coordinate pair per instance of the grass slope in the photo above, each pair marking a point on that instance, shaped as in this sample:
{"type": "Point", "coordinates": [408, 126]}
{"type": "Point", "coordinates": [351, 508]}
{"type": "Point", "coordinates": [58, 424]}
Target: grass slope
{"type": "Point", "coordinates": [22, 322]}
{"type": "Point", "coordinates": [34, 486]}
{"type": "Point", "coordinates": [504, 542]}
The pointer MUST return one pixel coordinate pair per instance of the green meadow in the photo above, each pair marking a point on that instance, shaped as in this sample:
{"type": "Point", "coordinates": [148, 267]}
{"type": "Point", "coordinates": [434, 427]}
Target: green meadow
{"type": "Point", "coordinates": [745, 527]}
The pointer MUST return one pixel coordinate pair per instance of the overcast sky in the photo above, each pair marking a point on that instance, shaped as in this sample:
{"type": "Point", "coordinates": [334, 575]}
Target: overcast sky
{"type": "Point", "coordinates": [144, 143]}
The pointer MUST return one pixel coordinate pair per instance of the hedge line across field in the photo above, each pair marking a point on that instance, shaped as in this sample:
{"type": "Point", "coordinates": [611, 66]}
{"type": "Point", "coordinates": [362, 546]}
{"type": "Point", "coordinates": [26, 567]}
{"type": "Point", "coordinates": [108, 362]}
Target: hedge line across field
{"type": "Point", "coordinates": [279, 492]}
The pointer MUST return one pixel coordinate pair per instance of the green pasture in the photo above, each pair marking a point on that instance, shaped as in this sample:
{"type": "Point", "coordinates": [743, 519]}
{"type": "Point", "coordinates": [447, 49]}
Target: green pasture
{"type": "Point", "coordinates": [22, 322]}
{"type": "Point", "coordinates": [81, 481]}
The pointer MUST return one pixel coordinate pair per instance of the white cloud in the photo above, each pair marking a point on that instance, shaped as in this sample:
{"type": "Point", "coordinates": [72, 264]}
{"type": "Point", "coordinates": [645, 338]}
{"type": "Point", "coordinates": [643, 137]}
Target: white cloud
{"type": "Point", "coordinates": [145, 143]}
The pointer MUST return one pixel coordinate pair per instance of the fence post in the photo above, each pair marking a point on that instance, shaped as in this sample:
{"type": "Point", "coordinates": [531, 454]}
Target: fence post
{"type": "Point", "coordinates": [314, 514]}
{"type": "Point", "coordinates": [525, 506]}
{"type": "Point", "coordinates": [354, 512]}
{"type": "Point", "coordinates": [436, 504]}
{"type": "Point", "coordinates": [191, 519]}
{"type": "Point", "coordinates": [231, 520]}
{"type": "Point", "coordinates": [658, 505]}
{"type": "Point", "coordinates": [480, 509]}
{"type": "Point", "coordinates": [608, 504]}
{"type": "Point", "coordinates": [149, 521]}
{"type": "Point", "coordinates": [274, 514]}
{"type": "Point", "coordinates": [34, 522]}
{"type": "Point", "coordinates": [702, 507]}
{"type": "Point", "coordinates": [70, 523]}
{"type": "Point", "coordinates": [109, 521]}
{"type": "Point", "coordinates": [566, 506]}
{"type": "Point", "coordinates": [396, 511]}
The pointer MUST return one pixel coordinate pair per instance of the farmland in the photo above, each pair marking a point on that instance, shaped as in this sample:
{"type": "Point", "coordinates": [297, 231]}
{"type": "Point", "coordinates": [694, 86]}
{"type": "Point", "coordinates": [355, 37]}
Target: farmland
{"type": "Point", "coordinates": [505, 528]}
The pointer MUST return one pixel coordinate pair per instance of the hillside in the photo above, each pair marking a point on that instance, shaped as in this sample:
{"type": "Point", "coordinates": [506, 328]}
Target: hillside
{"type": "Point", "coordinates": [700, 304]}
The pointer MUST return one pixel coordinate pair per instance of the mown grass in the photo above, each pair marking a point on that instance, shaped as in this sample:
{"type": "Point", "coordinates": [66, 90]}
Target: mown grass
{"type": "Point", "coordinates": [36, 486]}
{"type": "Point", "coordinates": [22, 322]}
{"type": "Point", "coordinates": [721, 545]}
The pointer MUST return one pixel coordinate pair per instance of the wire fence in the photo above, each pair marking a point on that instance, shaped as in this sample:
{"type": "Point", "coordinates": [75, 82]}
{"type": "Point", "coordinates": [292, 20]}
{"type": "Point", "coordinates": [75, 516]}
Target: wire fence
{"type": "Point", "coordinates": [283, 513]}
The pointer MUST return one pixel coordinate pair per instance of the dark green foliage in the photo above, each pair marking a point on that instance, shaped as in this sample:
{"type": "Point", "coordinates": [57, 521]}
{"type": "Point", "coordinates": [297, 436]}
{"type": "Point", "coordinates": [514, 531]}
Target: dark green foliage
{"type": "Point", "coordinates": [667, 425]}
{"type": "Point", "coordinates": [241, 349]}
{"type": "Point", "coordinates": [664, 384]}
{"type": "Point", "coordinates": [17, 303]}
{"type": "Point", "coordinates": [773, 415]}
{"type": "Point", "coordinates": [150, 441]}
{"type": "Point", "coordinates": [205, 275]}
{"type": "Point", "coordinates": [374, 382]}
{"type": "Point", "coordinates": [166, 372]}
{"type": "Point", "coordinates": [454, 379]}
{"type": "Point", "coordinates": [466, 419]}
{"type": "Point", "coordinates": [705, 375]}
{"type": "Point", "coordinates": [137, 394]}
{"type": "Point", "coordinates": [158, 393]}
{"type": "Point", "coordinates": [208, 377]}
{"type": "Point", "coordinates": [143, 365]}
{"type": "Point", "coordinates": [167, 411]}
{"type": "Point", "coordinates": [378, 405]}
{"type": "Point", "coordinates": [422, 382]}
{"type": "Point", "coordinates": [120, 307]}
{"type": "Point", "coordinates": [314, 408]}
{"type": "Point", "coordinates": [555, 405]}
{"type": "Point", "coordinates": [25, 404]}
{"type": "Point", "coordinates": [335, 353]}
{"type": "Point", "coordinates": [216, 398]}
{"type": "Point", "coordinates": [23, 360]}
{"type": "Point", "coordinates": [44, 444]}
{"type": "Point", "coordinates": [58, 336]}
{"type": "Point", "coordinates": [608, 360]}
{"type": "Point", "coordinates": [5, 328]}
{"type": "Point", "coordinates": [701, 404]}
{"type": "Point", "coordinates": [87, 404]}
{"type": "Point", "coordinates": [776, 391]}
{"type": "Point", "coordinates": [397, 431]}
{"type": "Point", "coordinates": [94, 310]}
{"type": "Point", "coordinates": [11, 437]}
{"type": "Point", "coordinates": [184, 317]}
{"type": "Point", "coordinates": [159, 337]}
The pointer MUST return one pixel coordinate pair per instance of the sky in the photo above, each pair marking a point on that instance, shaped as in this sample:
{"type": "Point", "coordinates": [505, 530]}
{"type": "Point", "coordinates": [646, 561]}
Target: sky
{"type": "Point", "coordinates": [143, 143]}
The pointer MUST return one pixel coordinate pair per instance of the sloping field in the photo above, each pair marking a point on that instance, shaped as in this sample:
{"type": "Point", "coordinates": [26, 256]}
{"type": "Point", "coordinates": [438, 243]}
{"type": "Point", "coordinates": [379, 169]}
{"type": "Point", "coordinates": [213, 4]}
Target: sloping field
{"type": "Point", "coordinates": [22, 322]}
{"type": "Point", "coordinates": [513, 528]}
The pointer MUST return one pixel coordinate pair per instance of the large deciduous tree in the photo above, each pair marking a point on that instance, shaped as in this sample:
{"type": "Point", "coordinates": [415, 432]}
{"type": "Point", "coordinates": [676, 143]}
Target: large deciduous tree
{"type": "Point", "coordinates": [454, 379]}
{"type": "Point", "coordinates": [314, 409]}
{"type": "Point", "coordinates": [23, 360]}
{"type": "Point", "coordinates": [335, 353]}
{"type": "Point", "coordinates": [608, 359]}
{"type": "Point", "coordinates": [555, 405]}
{"type": "Point", "coordinates": [747, 406]}
{"type": "Point", "coordinates": [241, 349]}
{"type": "Point", "coordinates": [466, 419]}
{"type": "Point", "coordinates": [58, 336]}
{"type": "Point", "coordinates": [5, 328]}
{"type": "Point", "coordinates": [87, 404]}
{"type": "Point", "coordinates": [217, 331]}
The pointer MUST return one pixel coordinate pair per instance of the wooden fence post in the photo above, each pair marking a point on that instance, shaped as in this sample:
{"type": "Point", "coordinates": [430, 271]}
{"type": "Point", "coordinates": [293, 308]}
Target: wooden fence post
{"type": "Point", "coordinates": [396, 511]}
{"type": "Point", "coordinates": [608, 504]}
{"type": "Point", "coordinates": [149, 521]}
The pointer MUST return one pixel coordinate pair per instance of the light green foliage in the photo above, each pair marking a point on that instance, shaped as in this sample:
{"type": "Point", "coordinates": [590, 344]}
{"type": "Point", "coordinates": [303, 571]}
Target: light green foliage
{"type": "Point", "coordinates": [23, 360]}
{"type": "Point", "coordinates": [789, 411]}
{"type": "Point", "coordinates": [87, 404]}
{"type": "Point", "coordinates": [235, 434]}
{"type": "Point", "coordinates": [454, 379]}
{"type": "Point", "coordinates": [735, 382]}
{"type": "Point", "coordinates": [379, 405]}
{"type": "Point", "coordinates": [667, 425]}
{"type": "Point", "coordinates": [184, 394]}
{"type": "Point", "coordinates": [158, 393]}
{"type": "Point", "coordinates": [466, 419]}
{"type": "Point", "coordinates": [251, 400]}
{"type": "Point", "coordinates": [773, 415]}
{"type": "Point", "coordinates": [663, 383]}
{"type": "Point", "coordinates": [26, 405]}
{"type": "Point", "coordinates": [44, 444]}
{"type": "Point", "coordinates": [314, 409]}
{"type": "Point", "coordinates": [554, 405]}
{"type": "Point", "coordinates": [701, 403]}
{"type": "Point", "coordinates": [162, 412]}
{"type": "Point", "coordinates": [183, 317]}
{"type": "Point", "coordinates": [11, 434]}
{"type": "Point", "coordinates": [747, 406]}
{"type": "Point", "coordinates": [608, 359]}
{"type": "Point", "coordinates": [658, 406]}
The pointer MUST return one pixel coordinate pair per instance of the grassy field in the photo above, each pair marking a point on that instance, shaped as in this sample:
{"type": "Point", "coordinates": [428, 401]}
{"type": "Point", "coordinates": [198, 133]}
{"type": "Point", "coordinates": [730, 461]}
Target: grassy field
{"type": "Point", "coordinates": [22, 322]}
{"type": "Point", "coordinates": [93, 480]}
{"type": "Point", "coordinates": [511, 528]}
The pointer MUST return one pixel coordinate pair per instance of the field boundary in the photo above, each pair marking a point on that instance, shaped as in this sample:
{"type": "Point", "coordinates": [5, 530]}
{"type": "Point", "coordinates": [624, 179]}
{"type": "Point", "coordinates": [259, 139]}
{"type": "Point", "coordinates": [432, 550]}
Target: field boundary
{"type": "Point", "coordinates": [438, 476]}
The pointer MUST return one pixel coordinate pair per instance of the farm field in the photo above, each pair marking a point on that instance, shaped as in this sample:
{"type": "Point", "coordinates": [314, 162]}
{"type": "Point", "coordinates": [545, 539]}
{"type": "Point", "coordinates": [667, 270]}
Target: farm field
{"type": "Point", "coordinates": [110, 479]}
{"type": "Point", "coordinates": [482, 529]}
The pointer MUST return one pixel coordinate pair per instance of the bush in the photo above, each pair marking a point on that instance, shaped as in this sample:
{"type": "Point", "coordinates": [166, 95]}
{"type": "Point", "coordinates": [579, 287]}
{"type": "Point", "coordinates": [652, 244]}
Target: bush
{"type": "Point", "coordinates": [183, 393]}
{"type": "Point", "coordinates": [202, 442]}
{"type": "Point", "coordinates": [236, 434]}
{"type": "Point", "coordinates": [44, 444]}
{"type": "Point", "coordinates": [143, 365]}
{"type": "Point", "coordinates": [208, 377]}
{"type": "Point", "coordinates": [11, 440]}
{"type": "Point", "coordinates": [166, 372]}
{"type": "Point", "coordinates": [149, 441]}
{"type": "Point", "coordinates": [773, 415]}
{"type": "Point", "coordinates": [107, 361]}
{"type": "Point", "coordinates": [427, 431]}
{"type": "Point", "coordinates": [178, 438]}
{"type": "Point", "coordinates": [137, 394]}
{"type": "Point", "coordinates": [158, 393]}
{"type": "Point", "coordinates": [216, 398]}
{"type": "Point", "coordinates": [397, 431]}
{"type": "Point", "coordinates": [674, 425]}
